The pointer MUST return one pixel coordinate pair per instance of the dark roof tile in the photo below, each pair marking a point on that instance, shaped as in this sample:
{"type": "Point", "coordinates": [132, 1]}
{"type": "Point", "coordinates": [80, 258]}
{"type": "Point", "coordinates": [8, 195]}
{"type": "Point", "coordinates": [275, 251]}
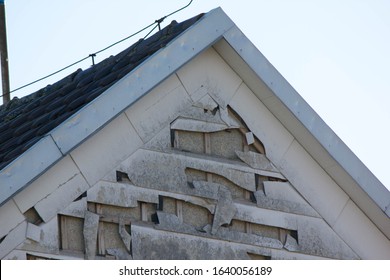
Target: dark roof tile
{"type": "Point", "coordinates": [24, 121]}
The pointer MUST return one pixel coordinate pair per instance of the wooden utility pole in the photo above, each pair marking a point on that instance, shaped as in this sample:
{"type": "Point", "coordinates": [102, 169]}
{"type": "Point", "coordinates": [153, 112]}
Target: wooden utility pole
{"type": "Point", "coordinates": [4, 55]}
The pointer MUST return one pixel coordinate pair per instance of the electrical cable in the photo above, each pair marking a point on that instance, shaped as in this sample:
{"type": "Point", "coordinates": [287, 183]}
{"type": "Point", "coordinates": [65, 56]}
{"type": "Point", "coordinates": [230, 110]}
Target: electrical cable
{"type": "Point", "coordinates": [156, 23]}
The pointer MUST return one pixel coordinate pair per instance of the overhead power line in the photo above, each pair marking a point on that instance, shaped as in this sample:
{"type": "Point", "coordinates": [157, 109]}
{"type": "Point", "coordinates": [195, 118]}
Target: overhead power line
{"type": "Point", "coordinates": [156, 24]}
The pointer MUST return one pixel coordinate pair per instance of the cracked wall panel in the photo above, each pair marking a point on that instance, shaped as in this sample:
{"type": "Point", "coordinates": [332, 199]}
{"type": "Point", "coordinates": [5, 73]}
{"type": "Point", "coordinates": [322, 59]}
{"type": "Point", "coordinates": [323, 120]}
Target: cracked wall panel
{"type": "Point", "coordinates": [107, 148]}
{"type": "Point", "coordinates": [158, 108]}
{"type": "Point", "coordinates": [48, 240]}
{"type": "Point", "coordinates": [52, 179]}
{"type": "Point", "coordinates": [15, 237]}
{"type": "Point", "coordinates": [209, 74]}
{"type": "Point", "coordinates": [90, 232]}
{"type": "Point", "coordinates": [10, 217]}
{"type": "Point", "coordinates": [149, 243]}
{"type": "Point", "coordinates": [59, 199]}
{"type": "Point", "coordinates": [262, 123]}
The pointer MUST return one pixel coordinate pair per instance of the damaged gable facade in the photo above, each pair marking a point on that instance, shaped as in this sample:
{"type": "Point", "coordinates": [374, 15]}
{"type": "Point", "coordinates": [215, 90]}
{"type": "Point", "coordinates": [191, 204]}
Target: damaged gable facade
{"type": "Point", "coordinates": [201, 150]}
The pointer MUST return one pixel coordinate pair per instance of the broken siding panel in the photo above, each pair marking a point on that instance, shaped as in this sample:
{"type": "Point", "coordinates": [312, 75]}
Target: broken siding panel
{"type": "Point", "coordinates": [106, 149]}
{"type": "Point", "coordinates": [10, 217]}
{"type": "Point", "coordinates": [158, 108]}
{"type": "Point", "coordinates": [52, 179]}
{"type": "Point", "coordinates": [262, 123]}
{"type": "Point", "coordinates": [58, 200]}
{"type": "Point", "coordinates": [15, 237]}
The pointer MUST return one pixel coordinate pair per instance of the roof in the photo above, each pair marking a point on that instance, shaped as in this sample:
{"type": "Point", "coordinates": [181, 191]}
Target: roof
{"type": "Point", "coordinates": [214, 29]}
{"type": "Point", "coordinates": [23, 122]}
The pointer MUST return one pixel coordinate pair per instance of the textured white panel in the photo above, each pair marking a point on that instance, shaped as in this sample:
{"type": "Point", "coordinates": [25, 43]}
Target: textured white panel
{"type": "Point", "coordinates": [361, 235]}
{"type": "Point", "coordinates": [10, 217]}
{"type": "Point", "coordinates": [313, 183]}
{"type": "Point", "coordinates": [158, 108]}
{"type": "Point", "coordinates": [56, 176]}
{"type": "Point", "coordinates": [209, 74]}
{"type": "Point", "coordinates": [99, 154]}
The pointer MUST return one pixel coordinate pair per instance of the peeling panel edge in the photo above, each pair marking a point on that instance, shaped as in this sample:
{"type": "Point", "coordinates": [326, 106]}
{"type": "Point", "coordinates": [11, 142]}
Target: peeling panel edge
{"type": "Point", "coordinates": [31, 164]}
{"type": "Point", "coordinates": [290, 98]}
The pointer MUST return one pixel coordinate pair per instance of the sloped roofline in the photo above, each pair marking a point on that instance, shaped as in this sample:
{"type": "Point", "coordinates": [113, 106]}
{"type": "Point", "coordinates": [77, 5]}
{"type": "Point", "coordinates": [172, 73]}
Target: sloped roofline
{"type": "Point", "coordinates": [213, 29]}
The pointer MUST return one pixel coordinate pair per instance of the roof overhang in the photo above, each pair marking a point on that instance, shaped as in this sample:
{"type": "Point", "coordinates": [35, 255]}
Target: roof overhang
{"type": "Point", "coordinates": [214, 29]}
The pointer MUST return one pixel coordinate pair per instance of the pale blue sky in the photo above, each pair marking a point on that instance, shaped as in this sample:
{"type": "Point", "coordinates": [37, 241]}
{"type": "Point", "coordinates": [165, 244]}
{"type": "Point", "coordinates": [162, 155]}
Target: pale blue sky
{"type": "Point", "coordinates": [336, 54]}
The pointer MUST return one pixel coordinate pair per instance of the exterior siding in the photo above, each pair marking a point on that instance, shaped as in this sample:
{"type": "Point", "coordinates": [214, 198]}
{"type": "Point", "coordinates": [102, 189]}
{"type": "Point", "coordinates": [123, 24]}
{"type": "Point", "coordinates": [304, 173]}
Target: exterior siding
{"type": "Point", "coordinates": [160, 181]}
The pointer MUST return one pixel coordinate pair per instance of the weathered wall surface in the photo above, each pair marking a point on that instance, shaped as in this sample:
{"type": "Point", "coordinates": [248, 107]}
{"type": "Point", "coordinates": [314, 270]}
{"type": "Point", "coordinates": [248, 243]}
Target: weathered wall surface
{"type": "Point", "coordinates": [197, 169]}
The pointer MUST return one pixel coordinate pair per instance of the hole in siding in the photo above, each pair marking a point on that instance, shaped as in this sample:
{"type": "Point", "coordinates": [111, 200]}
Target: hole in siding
{"type": "Point", "coordinates": [32, 216]}
{"type": "Point", "coordinates": [252, 197]}
{"type": "Point", "coordinates": [2, 239]}
{"type": "Point", "coordinates": [294, 234]}
{"type": "Point", "coordinates": [273, 179]}
{"type": "Point", "coordinates": [122, 177]}
{"type": "Point", "coordinates": [172, 138]}
{"type": "Point", "coordinates": [253, 256]}
{"type": "Point", "coordinates": [84, 194]}
{"type": "Point", "coordinates": [160, 205]}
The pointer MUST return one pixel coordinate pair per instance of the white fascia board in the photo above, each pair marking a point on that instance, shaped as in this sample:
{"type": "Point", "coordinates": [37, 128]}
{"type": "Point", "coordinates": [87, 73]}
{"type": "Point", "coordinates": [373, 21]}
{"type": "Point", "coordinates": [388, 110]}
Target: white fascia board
{"type": "Point", "coordinates": [91, 118]}
{"type": "Point", "coordinates": [309, 119]}
{"type": "Point", "coordinates": [27, 167]}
